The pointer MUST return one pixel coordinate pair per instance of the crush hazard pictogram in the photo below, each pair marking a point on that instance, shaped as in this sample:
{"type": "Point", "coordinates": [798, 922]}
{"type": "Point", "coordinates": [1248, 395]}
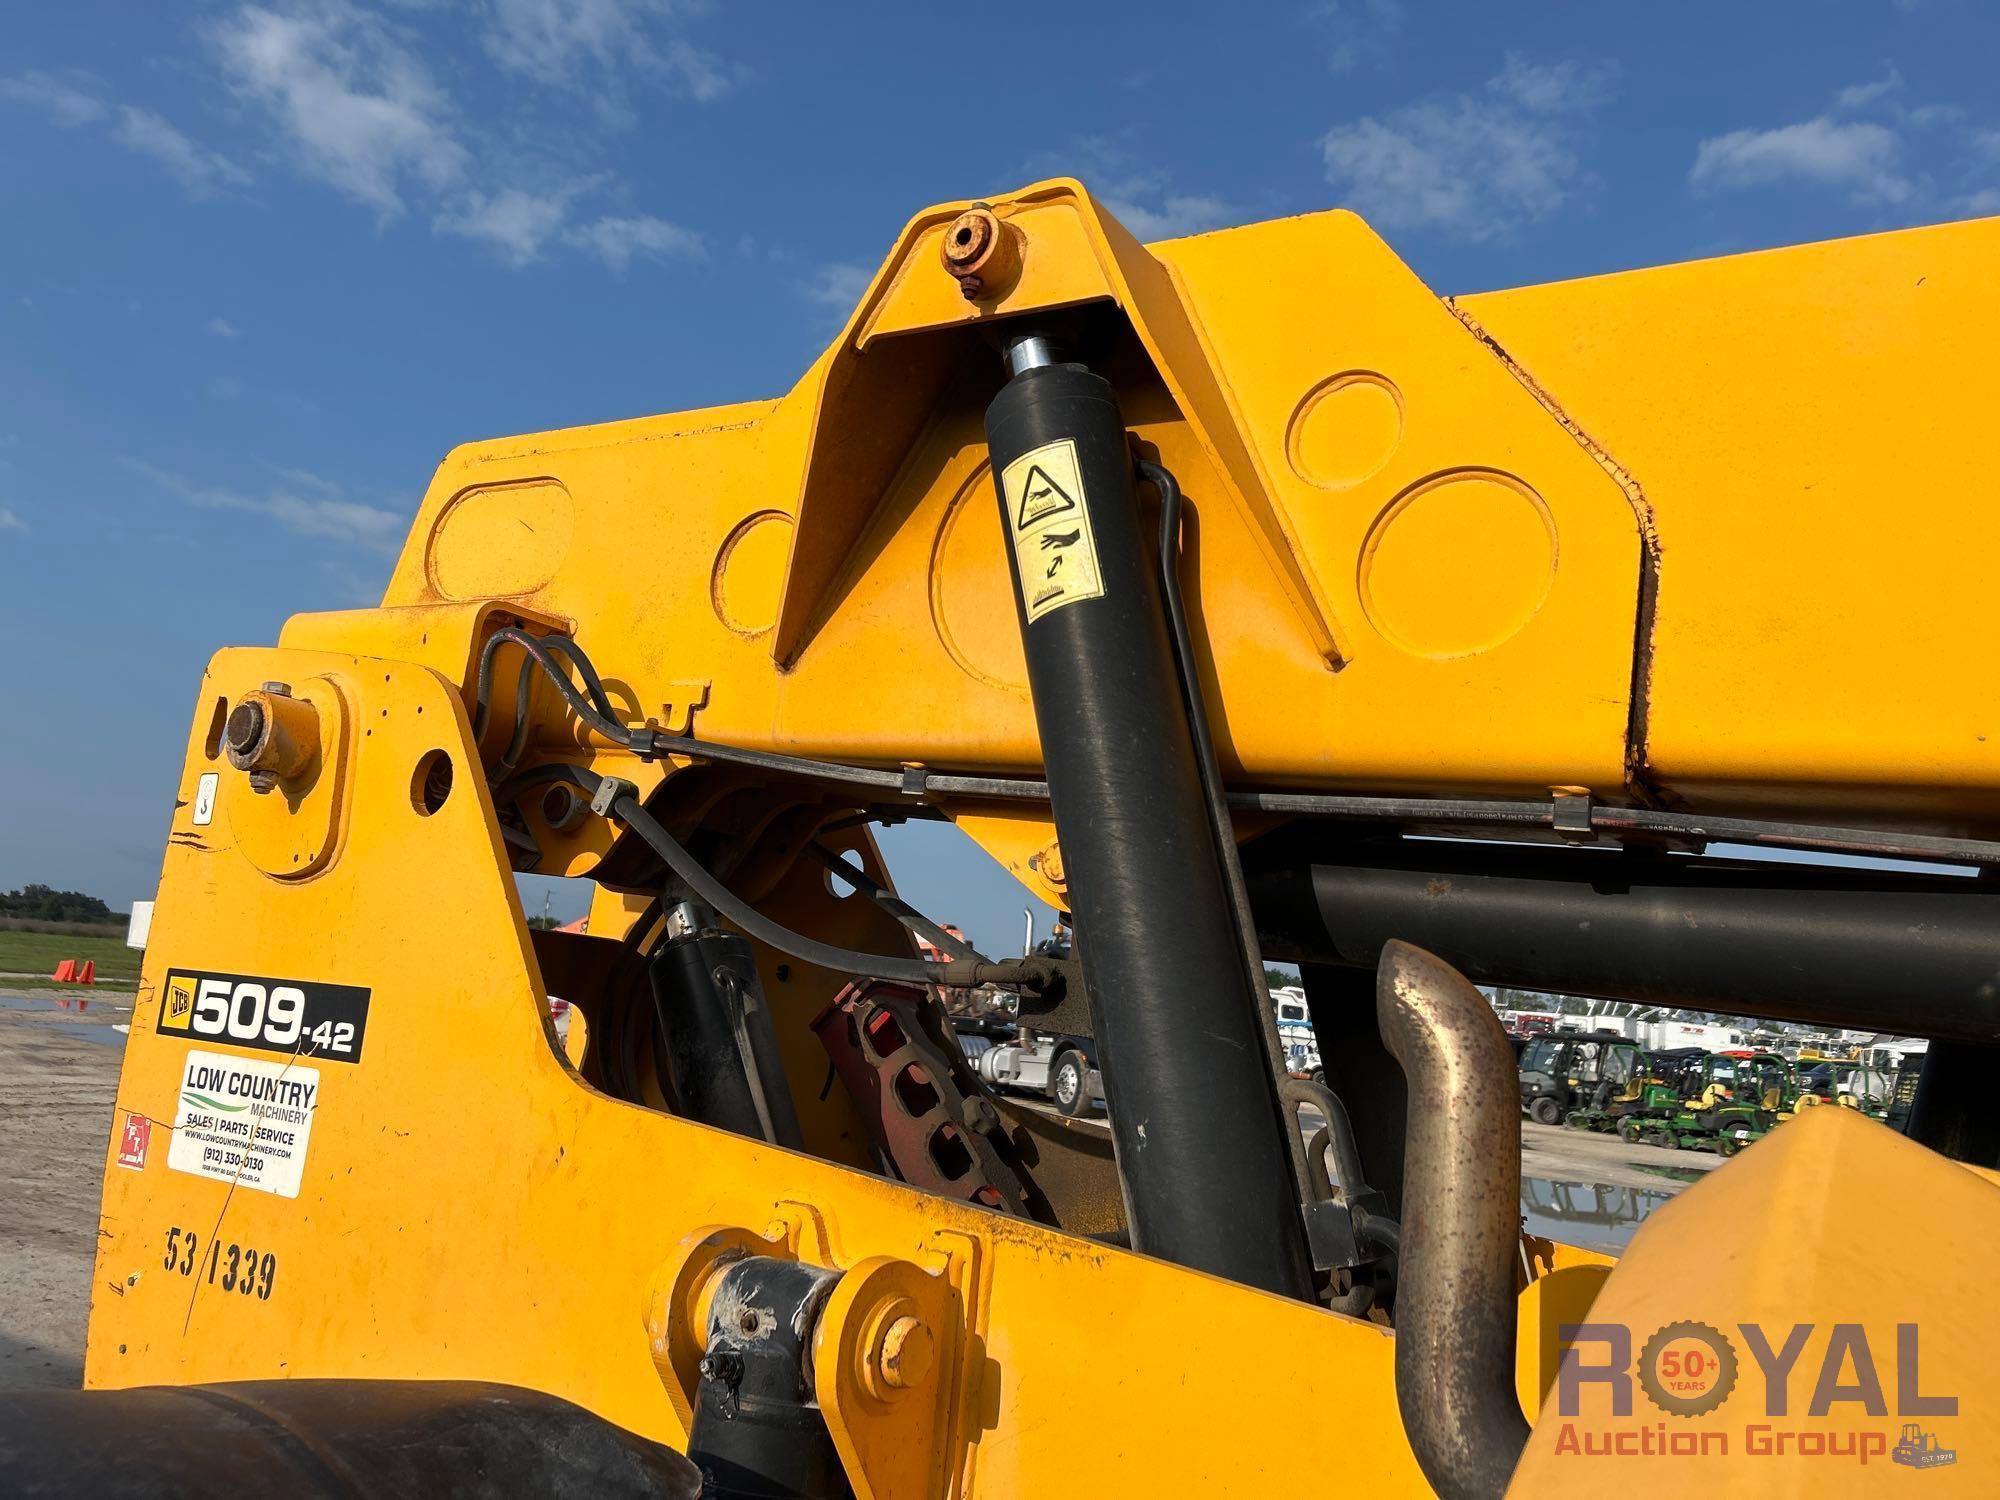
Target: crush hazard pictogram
{"type": "Point", "coordinates": [1055, 554]}
{"type": "Point", "coordinates": [1041, 497]}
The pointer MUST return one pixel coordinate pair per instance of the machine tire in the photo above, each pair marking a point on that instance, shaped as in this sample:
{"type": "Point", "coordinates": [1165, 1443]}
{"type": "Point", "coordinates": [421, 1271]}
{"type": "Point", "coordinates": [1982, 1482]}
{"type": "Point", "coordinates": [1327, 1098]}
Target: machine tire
{"type": "Point", "coordinates": [1070, 1070]}
{"type": "Point", "coordinates": [1629, 1131]}
{"type": "Point", "coordinates": [1576, 1119]}
{"type": "Point", "coordinates": [1727, 1145]}
{"type": "Point", "coordinates": [1545, 1111]}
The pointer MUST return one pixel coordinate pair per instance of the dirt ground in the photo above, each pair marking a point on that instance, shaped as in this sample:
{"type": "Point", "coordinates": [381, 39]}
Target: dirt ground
{"type": "Point", "coordinates": [59, 1078]}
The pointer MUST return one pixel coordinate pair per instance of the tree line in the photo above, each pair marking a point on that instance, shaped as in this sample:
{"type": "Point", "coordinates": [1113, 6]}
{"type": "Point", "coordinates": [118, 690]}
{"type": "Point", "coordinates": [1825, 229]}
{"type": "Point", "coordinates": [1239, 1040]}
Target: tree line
{"type": "Point", "coordinates": [44, 904]}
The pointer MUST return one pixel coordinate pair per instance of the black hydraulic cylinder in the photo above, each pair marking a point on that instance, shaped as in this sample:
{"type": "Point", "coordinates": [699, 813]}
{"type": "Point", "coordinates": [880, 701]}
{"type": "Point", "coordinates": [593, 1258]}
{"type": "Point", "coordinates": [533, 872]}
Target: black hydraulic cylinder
{"type": "Point", "coordinates": [758, 1431]}
{"type": "Point", "coordinates": [721, 1059]}
{"type": "Point", "coordinates": [1194, 1108]}
{"type": "Point", "coordinates": [1849, 948]}
{"type": "Point", "coordinates": [1362, 1072]}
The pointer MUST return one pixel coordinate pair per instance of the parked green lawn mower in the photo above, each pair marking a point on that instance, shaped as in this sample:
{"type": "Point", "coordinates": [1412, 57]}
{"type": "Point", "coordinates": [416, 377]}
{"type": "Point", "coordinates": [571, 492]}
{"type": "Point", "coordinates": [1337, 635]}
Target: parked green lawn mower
{"type": "Point", "coordinates": [1721, 1103]}
{"type": "Point", "coordinates": [1633, 1084]}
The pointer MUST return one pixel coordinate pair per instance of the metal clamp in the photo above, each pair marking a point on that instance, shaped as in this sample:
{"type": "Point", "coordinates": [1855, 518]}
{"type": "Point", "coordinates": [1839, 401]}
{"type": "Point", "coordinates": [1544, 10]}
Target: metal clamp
{"type": "Point", "coordinates": [609, 790]}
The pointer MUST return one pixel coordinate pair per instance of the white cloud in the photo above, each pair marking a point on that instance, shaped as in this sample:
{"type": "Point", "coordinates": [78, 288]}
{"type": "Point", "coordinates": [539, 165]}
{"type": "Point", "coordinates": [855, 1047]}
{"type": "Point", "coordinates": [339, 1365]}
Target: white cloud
{"type": "Point", "coordinates": [1859, 157]}
{"type": "Point", "coordinates": [1147, 202]}
{"type": "Point", "coordinates": [357, 109]}
{"type": "Point", "coordinates": [837, 287]}
{"type": "Point", "coordinates": [618, 240]}
{"type": "Point", "coordinates": [1477, 164]}
{"type": "Point", "coordinates": [514, 223]}
{"type": "Point", "coordinates": [520, 225]}
{"type": "Point", "coordinates": [354, 590]}
{"type": "Point", "coordinates": [590, 43]}
{"type": "Point", "coordinates": [1152, 212]}
{"type": "Point", "coordinates": [1357, 31]}
{"type": "Point", "coordinates": [78, 99]}
{"type": "Point", "coordinates": [222, 328]}
{"type": "Point", "coordinates": [320, 512]}
{"type": "Point", "coordinates": [67, 101]}
{"type": "Point", "coordinates": [11, 522]}
{"type": "Point", "coordinates": [1861, 95]}
{"type": "Point", "coordinates": [199, 169]}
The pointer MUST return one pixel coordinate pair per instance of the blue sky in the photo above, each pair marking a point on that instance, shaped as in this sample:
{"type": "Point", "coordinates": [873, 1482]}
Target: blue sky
{"type": "Point", "coordinates": [262, 265]}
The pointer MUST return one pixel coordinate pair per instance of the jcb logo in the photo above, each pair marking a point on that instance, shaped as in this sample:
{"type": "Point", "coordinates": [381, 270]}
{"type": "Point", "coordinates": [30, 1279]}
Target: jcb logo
{"type": "Point", "coordinates": [302, 1017]}
{"type": "Point", "coordinates": [180, 1001]}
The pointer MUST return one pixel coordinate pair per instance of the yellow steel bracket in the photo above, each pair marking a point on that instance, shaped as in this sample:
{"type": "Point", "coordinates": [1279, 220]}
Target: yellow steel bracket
{"type": "Point", "coordinates": [886, 1355]}
{"type": "Point", "coordinates": [291, 829]}
{"type": "Point", "coordinates": [882, 1365]}
{"type": "Point", "coordinates": [677, 1307]}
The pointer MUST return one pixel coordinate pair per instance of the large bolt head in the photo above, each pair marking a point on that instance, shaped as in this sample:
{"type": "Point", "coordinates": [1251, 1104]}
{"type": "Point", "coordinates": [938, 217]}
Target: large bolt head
{"type": "Point", "coordinates": [244, 731]}
{"type": "Point", "coordinates": [909, 1351]}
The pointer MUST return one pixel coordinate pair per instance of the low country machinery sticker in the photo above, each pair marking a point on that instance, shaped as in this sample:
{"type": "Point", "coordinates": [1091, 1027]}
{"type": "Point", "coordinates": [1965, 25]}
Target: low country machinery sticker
{"type": "Point", "coordinates": [244, 1121]}
{"type": "Point", "coordinates": [1050, 524]}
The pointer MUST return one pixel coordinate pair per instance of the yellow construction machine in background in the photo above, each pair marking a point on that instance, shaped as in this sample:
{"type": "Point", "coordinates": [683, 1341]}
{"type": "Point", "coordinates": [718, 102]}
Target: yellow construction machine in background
{"type": "Point", "coordinates": [1244, 599]}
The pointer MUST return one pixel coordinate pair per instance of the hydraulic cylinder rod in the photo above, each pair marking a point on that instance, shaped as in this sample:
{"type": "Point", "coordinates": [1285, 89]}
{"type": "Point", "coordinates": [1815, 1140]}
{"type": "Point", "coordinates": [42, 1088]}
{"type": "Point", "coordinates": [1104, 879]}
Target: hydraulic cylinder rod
{"type": "Point", "coordinates": [1195, 1116]}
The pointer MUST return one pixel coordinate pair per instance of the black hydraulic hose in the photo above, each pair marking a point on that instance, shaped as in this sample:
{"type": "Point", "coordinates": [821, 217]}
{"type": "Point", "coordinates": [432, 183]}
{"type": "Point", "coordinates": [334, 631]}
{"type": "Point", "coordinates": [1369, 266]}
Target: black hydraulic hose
{"type": "Point", "coordinates": [538, 649]}
{"type": "Point", "coordinates": [1214, 795]}
{"type": "Point", "coordinates": [891, 903]}
{"type": "Point", "coordinates": [1033, 973]}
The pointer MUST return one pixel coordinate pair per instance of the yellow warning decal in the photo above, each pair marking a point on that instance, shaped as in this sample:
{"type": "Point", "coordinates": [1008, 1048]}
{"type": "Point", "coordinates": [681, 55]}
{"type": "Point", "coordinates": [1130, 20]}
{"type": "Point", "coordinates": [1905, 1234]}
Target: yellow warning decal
{"type": "Point", "coordinates": [1050, 524]}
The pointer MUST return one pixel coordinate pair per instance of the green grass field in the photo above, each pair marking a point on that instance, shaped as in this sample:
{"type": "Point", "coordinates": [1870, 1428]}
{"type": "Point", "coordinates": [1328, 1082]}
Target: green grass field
{"type": "Point", "coordinates": [40, 952]}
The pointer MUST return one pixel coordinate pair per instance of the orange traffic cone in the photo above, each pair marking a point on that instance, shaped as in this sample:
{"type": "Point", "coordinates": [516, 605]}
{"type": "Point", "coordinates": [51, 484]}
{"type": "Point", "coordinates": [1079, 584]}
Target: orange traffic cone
{"type": "Point", "coordinates": [66, 971]}
{"type": "Point", "coordinates": [88, 973]}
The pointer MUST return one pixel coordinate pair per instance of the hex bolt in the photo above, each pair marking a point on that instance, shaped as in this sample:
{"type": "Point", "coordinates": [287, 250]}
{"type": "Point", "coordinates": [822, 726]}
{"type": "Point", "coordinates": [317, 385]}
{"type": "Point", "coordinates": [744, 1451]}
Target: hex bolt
{"type": "Point", "coordinates": [263, 781]}
{"type": "Point", "coordinates": [908, 1352]}
{"type": "Point", "coordinates": [725, 1365]}
{"type": "Point", "coordinates": [277, 689]}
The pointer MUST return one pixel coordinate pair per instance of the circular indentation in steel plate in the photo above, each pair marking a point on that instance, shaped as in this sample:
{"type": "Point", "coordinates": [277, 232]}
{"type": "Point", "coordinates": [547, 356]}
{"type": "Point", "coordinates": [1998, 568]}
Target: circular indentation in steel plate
{"type": "Point", "coordinates": [972, 588]}
{"type": "Point", "coordinates": [1458, 563]}
{"type": "Point", "coordinates": [500, 540]}
{"type": "Point", "coordinates": [1345, 429]}
{"type": "Point", "coordinates": [749, 575]}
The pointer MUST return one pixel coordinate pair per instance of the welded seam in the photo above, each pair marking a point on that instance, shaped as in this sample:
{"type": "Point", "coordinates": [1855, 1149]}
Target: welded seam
{"type": "Point", "coordinates": [1638, 767]}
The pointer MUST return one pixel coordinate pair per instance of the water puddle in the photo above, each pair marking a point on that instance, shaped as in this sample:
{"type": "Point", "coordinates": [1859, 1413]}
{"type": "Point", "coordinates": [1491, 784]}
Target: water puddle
{"type": "Point", "coordinates": [1589, 1215]}
{"type": "Point", "coordinates": [89, 1031]}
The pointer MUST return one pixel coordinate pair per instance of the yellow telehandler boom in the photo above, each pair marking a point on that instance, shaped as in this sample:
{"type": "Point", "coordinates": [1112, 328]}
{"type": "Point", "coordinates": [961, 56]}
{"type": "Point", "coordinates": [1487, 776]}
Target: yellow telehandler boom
{"type": "Point", "coordinates": [1245, 600]}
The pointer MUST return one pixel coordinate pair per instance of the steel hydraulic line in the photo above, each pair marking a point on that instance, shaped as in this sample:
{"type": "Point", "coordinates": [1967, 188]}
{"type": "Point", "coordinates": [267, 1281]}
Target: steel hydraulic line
{"type": "Point", "coordinates": [1579, 816]}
